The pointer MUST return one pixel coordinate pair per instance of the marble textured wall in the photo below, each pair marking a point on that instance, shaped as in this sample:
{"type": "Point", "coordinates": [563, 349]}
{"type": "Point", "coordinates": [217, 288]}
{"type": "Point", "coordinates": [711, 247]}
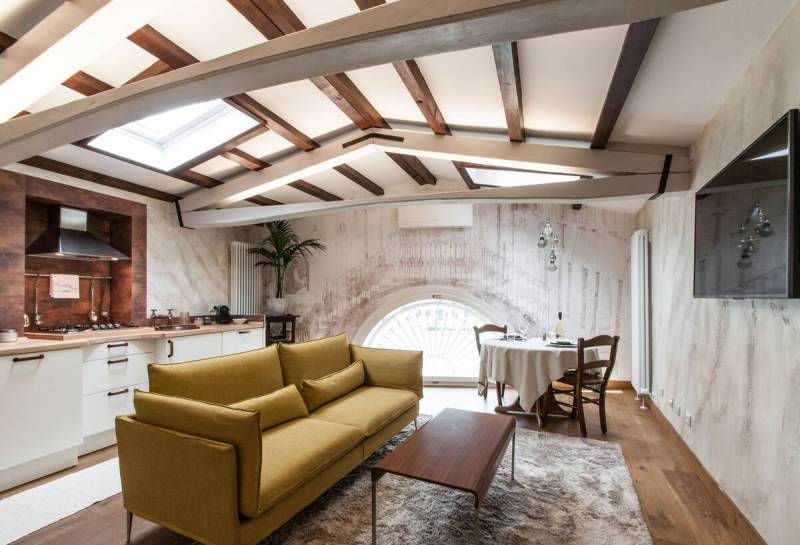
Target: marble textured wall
{"type": "Point", "coordinates": [370, 259]}
{"type": "Point", "coordinates": [188, 270]}
{"type": "Point", "coordinates": [733, 364]}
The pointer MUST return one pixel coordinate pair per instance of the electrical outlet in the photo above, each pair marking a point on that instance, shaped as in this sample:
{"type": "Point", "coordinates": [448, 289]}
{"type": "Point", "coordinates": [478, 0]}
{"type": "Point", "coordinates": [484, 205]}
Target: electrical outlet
{"type": "Point", "coordinates": [688, 420]}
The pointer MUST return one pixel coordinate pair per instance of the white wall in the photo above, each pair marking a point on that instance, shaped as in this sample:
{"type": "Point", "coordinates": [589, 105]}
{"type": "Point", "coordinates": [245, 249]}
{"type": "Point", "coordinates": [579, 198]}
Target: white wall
{"type": "Point", "coordinates": [369, 260]}
{"type": "Point", "coordinates": [188, 270]}
{"type": "Point", "coordinates": [733, 364]}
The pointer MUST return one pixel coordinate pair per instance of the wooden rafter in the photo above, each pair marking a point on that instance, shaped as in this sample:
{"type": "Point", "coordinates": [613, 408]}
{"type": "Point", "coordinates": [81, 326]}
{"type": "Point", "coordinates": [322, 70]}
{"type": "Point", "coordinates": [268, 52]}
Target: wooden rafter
{"type": "Point", "coordinates": [349, 172]}
{"type": "Point", "coordinates": [462, 171]}
{"type": "Point", "coordinates": [273, 18]}
{"type": "Point", "coordinates": [314, 191]}
{"type": "Point", "coordinates": [250, 162]}
{"type": "Point", "coordinates": [6, 41]}
{"type": "Point", "coordinates": [73, 171]}
{"type": "Point", "coordinates": [86, 85]}
{"type": "Point", "coordinates": [506, 60]}
{"type": "Point", "coordinates": [634, 48]}
{"type": "Point", "coordinates": [221, 148]}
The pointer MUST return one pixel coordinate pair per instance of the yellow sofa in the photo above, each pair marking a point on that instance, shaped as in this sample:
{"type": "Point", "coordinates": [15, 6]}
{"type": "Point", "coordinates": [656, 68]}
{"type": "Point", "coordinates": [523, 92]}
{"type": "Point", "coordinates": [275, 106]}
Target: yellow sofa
{"type": "Point", "coordinates": [195, 459]}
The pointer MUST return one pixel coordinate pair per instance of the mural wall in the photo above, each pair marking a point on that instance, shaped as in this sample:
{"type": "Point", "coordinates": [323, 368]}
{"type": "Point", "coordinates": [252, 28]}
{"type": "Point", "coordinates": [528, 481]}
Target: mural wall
{"type": "Point", "coordinates": [497, 261]}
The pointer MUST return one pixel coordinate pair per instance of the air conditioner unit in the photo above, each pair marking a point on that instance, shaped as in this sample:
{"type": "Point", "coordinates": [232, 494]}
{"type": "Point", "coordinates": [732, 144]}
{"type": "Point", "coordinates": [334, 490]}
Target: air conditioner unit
{"type": "Point", "coordinates": [435, 216]}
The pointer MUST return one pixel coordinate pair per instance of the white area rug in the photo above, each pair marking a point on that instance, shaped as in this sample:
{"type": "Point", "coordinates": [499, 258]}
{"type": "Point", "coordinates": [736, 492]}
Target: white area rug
{"type": "Point", "coordinates": [30, 510]}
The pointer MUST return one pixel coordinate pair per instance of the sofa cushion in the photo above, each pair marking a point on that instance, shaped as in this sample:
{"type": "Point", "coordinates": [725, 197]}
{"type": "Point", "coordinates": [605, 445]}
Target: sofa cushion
{"type": "Point", "coordinates": [276, 408]}
{"type": "Point", "coordinates": [237, 427]}
{"type": "Point", "coordinates": [391, 368]}
{"type": "Point", "coordinates": [224, 379]}
{"type": "Point", "coordinates": [368, 408]}
{"type": "Point", "coordinates": [317, 393]}
{"type": "Point", "coordinates": [294, 452]}
{"type": "Point", "coordinates": [313, 359]}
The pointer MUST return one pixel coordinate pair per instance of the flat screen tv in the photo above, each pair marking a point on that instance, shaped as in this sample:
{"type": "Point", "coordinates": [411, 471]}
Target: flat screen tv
{"type": "Point", "coordinates": [746, 221]}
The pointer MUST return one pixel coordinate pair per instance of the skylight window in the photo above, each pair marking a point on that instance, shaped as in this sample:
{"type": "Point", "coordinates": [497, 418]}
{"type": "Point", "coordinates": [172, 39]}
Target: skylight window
{"type": "Point", "coordinates": [172, 138]}
{"type": "Point", "coordinates": [513, 178]}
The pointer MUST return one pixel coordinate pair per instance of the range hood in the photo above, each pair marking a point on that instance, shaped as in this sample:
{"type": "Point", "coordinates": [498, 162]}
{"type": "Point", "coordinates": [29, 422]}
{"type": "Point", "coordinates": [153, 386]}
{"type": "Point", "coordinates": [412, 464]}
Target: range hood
{"type": "Point", "coordinates": [67, 238]}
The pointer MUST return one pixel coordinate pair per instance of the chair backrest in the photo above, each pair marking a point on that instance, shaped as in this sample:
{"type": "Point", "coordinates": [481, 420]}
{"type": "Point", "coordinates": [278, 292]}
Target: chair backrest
{"type": "Point", "coordinates": [487, 328]}
{"type": "Point", "coordinates": [608, 364]}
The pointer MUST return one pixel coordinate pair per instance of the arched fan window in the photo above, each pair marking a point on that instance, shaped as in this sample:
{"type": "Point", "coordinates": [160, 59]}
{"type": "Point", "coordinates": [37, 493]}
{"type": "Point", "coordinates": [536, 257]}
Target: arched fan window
{"type": "Point", "coordinates": [442, 329]}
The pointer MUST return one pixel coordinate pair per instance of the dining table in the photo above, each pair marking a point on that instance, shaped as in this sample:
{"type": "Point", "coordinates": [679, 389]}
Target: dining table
{"type": "Point", "coordinates": [529, 366]}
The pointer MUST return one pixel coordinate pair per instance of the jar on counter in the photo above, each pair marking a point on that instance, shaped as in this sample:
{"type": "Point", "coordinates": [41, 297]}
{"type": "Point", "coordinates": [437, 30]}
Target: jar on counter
{"type": "Point", "coordinates": [8, 335]}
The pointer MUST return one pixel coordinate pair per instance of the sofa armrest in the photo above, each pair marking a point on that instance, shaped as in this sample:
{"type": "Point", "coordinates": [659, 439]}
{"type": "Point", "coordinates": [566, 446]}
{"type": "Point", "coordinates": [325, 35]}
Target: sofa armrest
{"type": "Point", "coordinates": [180, 481]}
{"type": "Point", "coordinates": [391, 368]}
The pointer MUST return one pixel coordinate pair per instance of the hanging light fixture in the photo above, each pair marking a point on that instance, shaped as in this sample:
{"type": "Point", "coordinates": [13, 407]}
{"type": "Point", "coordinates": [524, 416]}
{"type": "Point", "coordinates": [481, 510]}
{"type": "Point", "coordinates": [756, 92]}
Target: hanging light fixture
{"type": "Point", "coordinates": [748, 238]}
{"type": "Point", "coordinates": [548, 238]}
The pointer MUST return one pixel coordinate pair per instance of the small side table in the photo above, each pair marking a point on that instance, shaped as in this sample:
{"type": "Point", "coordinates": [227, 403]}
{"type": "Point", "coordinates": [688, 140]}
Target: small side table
{"type": "Point", "coordinates": [287, 329]}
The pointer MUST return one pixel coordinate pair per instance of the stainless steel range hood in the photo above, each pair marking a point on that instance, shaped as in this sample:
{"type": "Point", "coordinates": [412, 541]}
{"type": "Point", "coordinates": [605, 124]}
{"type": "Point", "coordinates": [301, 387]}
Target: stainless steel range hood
{"type": "Point", "coordinates": [67, 238]}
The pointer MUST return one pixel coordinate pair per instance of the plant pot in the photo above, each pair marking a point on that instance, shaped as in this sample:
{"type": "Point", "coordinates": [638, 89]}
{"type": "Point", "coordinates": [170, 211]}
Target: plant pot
{"type": "Point", "coordinates": [276, 306]}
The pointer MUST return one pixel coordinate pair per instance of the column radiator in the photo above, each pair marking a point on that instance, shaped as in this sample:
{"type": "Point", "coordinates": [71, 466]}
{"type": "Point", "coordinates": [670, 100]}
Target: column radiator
{"type": "Point", "coordinates": [640, 312]}
{"type": "Point", "coordinates": [247, 281]}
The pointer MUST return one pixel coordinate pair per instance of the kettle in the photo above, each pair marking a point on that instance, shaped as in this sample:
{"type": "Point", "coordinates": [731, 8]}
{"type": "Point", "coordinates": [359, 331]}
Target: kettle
{"type": "Point", "coordinates": [223, 314]}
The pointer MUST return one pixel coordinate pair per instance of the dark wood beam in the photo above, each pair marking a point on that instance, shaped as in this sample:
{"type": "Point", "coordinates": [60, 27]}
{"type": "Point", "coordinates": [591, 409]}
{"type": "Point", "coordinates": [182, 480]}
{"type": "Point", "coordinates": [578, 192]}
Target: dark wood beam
{"type": "Point", "coordinates": [249, 105]}
{"type": "Point", "coordinates": [73, 171]}
{"type": "Point", "coordinates": [244, 159]}
{"type": "Point", "coordinates": [358, 178]}
{"type": "Point", "coordinates": [221, 148]}
{"type": "Point", "coordinates": [161, 47]}
{"type": "Point", "coordinates": [158, 67]}
{"type": "Point", "coordinates": [506, 62]}
{"type": "Point", "coordinates": [341, 90]}
{"type": "Point", "coordinates": [634, 48]}
{"type": "Point", "coordinates": [86, 85]}
{"type": "Point", "coordinates": [314, 191]}
{"type": "Point", "coordinates": [6, 41]}
{"type": "Point", "coordinates": [415, 82]}
{"type": "Point", "coordinates": [414, 168]}
{"type": "Point", "coordinates": [462, 171]}
{"type": "Point", "coordinates": [366, 4]}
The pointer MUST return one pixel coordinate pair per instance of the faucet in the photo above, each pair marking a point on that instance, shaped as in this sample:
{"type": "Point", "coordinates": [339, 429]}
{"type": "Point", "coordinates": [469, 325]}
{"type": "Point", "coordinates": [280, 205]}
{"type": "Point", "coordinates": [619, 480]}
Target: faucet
{"type": "Point", "coordinates": [169, 316]}
{"type": "Point", "coordinates": [153, 316]}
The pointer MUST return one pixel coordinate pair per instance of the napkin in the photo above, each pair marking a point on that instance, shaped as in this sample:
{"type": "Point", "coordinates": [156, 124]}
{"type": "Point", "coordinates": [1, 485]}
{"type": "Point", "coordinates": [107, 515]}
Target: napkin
{"type": "Point", "coordinates": [65, 286]}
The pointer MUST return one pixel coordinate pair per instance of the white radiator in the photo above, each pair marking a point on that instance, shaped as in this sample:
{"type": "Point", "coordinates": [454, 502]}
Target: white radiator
{"type": "Point", "coordinates": [247, 281]}
{"type": "Point", "coordinates": [640, 312]}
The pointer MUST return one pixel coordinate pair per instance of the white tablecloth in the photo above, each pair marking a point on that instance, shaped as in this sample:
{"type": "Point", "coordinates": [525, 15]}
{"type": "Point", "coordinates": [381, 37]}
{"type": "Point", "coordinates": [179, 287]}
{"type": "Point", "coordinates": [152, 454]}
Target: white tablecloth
{"type": "Point", "coordinates": [527, 366]}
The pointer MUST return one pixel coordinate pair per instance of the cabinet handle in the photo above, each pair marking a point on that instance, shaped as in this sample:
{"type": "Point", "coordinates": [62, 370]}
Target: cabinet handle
{"type": "Point", "coordinates": [29, 358]}
{"type": "Point", "coordinates": [243, 331]}
{"type": "Point", "coordinates": [119, 392]}
{"type": "Point", "coordinates": [118, 345]}
{"type": "Point", "coordinates": [171, 348]}
{"type": "Point", "coordinates": [121, 360]}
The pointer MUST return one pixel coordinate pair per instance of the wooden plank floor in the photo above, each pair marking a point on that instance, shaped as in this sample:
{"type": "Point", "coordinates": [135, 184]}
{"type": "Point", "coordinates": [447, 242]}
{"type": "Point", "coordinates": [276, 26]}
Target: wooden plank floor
{"type": "Point", "coordinates": [680, 506]}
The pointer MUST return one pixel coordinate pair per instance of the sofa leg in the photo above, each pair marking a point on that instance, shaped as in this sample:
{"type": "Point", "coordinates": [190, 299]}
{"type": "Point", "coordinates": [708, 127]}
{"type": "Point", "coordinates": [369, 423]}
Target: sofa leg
{"type": "Point", "coordinates": [415, 424]}
{"type": "Point", "coordinates": [129, 523]}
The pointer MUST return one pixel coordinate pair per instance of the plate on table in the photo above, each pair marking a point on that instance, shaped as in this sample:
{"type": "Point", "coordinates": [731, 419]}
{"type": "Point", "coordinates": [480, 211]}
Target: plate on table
{"type": "Point", "coordinates": [512, 338]}
{"type": "Point", "coordinates": [563, 344]}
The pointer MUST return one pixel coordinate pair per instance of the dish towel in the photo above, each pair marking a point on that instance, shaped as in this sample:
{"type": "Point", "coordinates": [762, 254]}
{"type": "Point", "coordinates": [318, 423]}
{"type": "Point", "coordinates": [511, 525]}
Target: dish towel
{"type": "Point", "coordinates": [65, 286]}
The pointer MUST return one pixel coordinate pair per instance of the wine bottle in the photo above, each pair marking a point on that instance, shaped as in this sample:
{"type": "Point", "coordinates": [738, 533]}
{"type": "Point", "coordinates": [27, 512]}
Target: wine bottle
{"type": "Point", "coordinates": [559, 329]}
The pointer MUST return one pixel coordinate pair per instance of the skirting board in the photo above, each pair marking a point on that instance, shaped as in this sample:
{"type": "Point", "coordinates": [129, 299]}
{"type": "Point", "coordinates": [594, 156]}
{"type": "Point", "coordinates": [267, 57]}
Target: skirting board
{"type": "Point", "coordinates": [29, 471]}
{"type": "Point", "coordinates": [97, 441]}
{"type": "Point", "coordinates": [734, 517]}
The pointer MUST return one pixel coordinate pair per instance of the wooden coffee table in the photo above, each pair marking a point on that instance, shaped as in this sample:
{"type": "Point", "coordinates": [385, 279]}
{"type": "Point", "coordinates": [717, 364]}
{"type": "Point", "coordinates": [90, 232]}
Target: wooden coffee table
{"type": "Point", "coordinates": [457, 449]}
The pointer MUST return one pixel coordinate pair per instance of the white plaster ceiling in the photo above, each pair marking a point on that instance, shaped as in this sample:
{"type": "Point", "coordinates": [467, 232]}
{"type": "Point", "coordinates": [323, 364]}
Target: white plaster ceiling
{"type": "Point", "coordinates": [694, 60]}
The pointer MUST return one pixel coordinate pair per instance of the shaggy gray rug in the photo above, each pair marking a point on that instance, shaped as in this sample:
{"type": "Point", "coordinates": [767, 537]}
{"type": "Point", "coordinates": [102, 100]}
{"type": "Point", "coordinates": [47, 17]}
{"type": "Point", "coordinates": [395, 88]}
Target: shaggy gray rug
{"type": "Point", "coordinates": [567, 491]}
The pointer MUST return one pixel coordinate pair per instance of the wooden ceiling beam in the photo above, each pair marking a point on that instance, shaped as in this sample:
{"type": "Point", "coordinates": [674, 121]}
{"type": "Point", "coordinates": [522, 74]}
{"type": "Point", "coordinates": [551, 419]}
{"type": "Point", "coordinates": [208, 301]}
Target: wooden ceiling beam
{"type": "Point", "coordinates": [86, 85]}
{"type": "Point", "coordinates": [634, 48]}
{"type": "Point", "coordinates": [314, 191]}
{"type": "Point", "coordinates": [155, 69]}
{"type": "Point", "coordinates": [462, 171]}
{"type": "Point", "coordinates": [220, 148]}
{"type": "Point", "coordinates": [366, 4]}
{"type": "Point", "coordinates": [415, 82]}
{"type": "Point", "coordinates": [395, 31]}
{"type": "Point", "coordinates": [506, 60]}
{"type": "Point", "coordinates": [358, 178]}
{"type": "Point", "coordinates": [250, 162]}
{"type": "Point", "coordinates": [51, 165]}
{"type": "Point", "coordinates": [6, 41]}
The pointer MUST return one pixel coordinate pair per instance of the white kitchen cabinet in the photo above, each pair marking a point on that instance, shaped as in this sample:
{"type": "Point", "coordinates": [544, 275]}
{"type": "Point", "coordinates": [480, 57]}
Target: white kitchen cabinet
{"type": "Point", "coordinates": [188, 348]}
{"type": "Point", "coordinates": [40, 404]}
{"type": "Point", "coordinates": [115, 372]}
{"type": "Point", "coordinates": [242, 340]}
{"type": "Point", "coordinates": [117, 349]}
{"type": "Point", "coordinates": [101, 408]}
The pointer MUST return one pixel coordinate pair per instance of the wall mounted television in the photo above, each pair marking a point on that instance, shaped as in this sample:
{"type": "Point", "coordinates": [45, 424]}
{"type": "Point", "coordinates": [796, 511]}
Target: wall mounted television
{"type": "Point", "coordinates": [746, 221]}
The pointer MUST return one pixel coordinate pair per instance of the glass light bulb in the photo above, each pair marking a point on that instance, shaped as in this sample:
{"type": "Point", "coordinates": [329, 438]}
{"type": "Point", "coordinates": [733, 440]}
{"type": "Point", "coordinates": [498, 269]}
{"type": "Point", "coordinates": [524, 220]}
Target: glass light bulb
{"type": "Point", "coordinates": [542, 241]}
{"type": "Point", "coordinates": [552, 267]}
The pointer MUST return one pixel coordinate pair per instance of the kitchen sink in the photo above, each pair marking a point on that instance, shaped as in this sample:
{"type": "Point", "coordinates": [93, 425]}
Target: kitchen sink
{"type": "Point", "coordinates": [176, 327]}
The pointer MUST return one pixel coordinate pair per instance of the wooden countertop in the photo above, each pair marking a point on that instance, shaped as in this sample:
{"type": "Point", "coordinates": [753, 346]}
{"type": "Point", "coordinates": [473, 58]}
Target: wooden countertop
{"type": "Point", "coordinates": [25, 345]}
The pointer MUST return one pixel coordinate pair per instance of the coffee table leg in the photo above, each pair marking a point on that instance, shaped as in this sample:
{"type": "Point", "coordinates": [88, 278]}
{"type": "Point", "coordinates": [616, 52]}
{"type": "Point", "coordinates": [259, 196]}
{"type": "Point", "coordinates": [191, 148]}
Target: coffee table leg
{"type": "Point", "coordinates": [513, 452]}
{"type": "Point", "coordinates": [374, 511]}
{"type": "Point", "coordinates": [477, 525]}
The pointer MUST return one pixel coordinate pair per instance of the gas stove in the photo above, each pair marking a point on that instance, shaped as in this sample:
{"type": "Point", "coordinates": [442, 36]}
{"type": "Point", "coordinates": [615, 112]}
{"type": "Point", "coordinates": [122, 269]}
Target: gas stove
{"type": "Point", "coordinates": [79, 331]}
{"type": "Point", "coordinates": [80, 328]}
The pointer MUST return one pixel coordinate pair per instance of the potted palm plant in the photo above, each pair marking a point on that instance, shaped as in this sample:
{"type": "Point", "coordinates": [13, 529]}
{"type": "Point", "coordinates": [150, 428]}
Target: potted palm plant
{"type": "Point", "coordinates": [279, 249]}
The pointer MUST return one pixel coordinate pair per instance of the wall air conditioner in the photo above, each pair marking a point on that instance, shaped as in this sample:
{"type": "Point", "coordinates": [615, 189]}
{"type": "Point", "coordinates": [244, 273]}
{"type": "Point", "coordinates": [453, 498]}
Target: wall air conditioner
{"type": "Point", "coordinates": [435, 216]}
{"type": "Point", "coordinates": [640, 314]}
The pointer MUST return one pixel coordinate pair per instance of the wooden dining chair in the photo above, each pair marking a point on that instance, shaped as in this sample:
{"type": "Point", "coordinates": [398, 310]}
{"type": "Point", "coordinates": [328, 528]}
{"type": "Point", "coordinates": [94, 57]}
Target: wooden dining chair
{"type": "Point", "coordinates": [586, 378]}
{"type": "Point", "coordinates": [491, 328]}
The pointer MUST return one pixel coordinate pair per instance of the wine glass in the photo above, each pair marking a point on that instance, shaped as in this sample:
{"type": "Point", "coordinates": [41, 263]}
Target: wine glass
{"type": "Point", "coordinates": [522, 328]}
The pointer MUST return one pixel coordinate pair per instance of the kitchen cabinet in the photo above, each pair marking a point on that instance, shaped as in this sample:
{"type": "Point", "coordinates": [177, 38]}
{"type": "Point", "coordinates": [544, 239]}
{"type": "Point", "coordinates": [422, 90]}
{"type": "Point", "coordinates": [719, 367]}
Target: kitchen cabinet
{"type": "Point", "coordinates": [188, 348]}
{"type": "Point", "coordinates": [40, 404]}
{"type": "Point", "coordinates": [242, 340]}
{"type": "Point", "coordinates": [101, 408]}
